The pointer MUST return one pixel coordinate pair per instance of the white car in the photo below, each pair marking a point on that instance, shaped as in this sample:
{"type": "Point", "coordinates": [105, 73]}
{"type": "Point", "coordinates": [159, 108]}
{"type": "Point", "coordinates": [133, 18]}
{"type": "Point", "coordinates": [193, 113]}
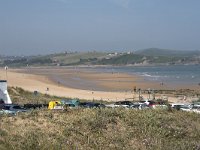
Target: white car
{"type": "Point", "coordinates": [159, 106]}
{"type": "Point", "coordinates": [123, 104]}
{"type": "Point", "coordinates": [190, 108]}
{"type": "Point", "coordinates": [139, 106]}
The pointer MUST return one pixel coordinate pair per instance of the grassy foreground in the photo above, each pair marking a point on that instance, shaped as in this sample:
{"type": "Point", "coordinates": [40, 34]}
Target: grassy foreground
{"type": "Point", "coordinates": [100, 129]}
{"type": "Point", "coordinates": [97, 128]}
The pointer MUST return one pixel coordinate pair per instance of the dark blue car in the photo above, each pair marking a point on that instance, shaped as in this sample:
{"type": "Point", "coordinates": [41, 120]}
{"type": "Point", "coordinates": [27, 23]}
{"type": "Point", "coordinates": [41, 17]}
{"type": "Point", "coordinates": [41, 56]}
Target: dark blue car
{"type": "Point", "coordinates": [91, 105]}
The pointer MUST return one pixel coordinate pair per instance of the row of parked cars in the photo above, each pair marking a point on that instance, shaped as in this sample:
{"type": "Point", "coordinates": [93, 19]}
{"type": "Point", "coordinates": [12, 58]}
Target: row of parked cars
{"type": "Point", "coordinates": [70, 104]}
{"type": "Point", "coordinates": [123, 104]}
{"type": "Point", "coordinates": [143, 104]}
{"type": "Point", "coordinates": [138, 105]}
{"type": "Point", "coordinates": [65, 104]}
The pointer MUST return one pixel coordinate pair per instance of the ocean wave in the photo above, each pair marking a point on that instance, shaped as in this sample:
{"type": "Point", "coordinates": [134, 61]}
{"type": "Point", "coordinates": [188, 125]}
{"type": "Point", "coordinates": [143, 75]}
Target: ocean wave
{"type": "Point", "coordinates": [150, 75]}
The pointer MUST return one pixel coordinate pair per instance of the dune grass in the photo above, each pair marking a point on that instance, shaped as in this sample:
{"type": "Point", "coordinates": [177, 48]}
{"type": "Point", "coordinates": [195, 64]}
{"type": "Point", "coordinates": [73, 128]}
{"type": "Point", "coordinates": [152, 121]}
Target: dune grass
{"type": "Point", "coordinates": [21, 96]}
{"type": "Point", "coordinates": [100, 129]}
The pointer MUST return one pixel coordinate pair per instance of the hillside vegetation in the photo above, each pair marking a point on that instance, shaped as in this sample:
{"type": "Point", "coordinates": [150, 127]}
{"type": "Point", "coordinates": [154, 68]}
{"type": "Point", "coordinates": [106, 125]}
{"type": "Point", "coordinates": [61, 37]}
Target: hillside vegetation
{"type": "Point", "coordinates": [75, 58]}
{"type": "Point", "coordinates": [61, 59]}
{"type": "Point", "coordinates": [167, 52]}
{"type": "Point", "coordinates": [154, 56]}
{"type": "Point", "coordinates": [98, 129]}
{"type": "Point", "coordinates": [142, 57]}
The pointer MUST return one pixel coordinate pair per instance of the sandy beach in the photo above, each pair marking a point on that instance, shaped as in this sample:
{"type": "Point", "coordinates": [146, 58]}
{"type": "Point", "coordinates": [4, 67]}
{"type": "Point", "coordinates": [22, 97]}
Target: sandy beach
{"type": "Point", "coordinates": [79, 83]}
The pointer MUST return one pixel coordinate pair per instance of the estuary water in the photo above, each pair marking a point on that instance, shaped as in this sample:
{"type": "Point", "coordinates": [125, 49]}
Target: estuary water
{"type": "Point", "coordinates": [174, 74]}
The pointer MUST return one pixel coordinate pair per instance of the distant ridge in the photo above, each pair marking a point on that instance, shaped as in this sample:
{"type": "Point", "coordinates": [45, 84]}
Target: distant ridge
{"type": "Point", "coordinates": [167, 52]}
{"type": "Point", "coordinates": [141, 57]}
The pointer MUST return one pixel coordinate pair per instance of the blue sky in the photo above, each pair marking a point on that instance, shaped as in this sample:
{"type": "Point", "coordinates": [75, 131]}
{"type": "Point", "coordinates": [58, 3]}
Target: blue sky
{"type": "Point", "coordinates": [47, 26]}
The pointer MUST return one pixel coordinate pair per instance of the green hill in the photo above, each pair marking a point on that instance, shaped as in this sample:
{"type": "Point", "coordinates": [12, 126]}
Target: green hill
{"type": "Point", "coordinates": [166, 52]}
{"type": "Point", "coordinates": [154, 56]}
{"type": "Point", "coordinates": [62, 59]}
{"type": "Point", "coordinates": [74, 58]}
{"type": "Point", "coordinates": [144, 57]}
{"type": "Point", "coordinates": [122, 60]}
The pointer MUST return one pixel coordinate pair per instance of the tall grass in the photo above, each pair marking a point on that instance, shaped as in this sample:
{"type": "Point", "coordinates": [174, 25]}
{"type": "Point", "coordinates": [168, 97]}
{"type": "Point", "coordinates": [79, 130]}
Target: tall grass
{"type": "Point", "coordinates": [20, 96]}
{"type": "Point", "coordinates": [100, 129]}
{"type": "Point", "coordinates": [96, 128]}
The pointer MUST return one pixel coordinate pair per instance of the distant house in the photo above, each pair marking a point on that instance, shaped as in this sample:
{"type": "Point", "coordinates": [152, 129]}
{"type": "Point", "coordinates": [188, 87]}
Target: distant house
{"type": "Point", "coordinates": [113, 54]}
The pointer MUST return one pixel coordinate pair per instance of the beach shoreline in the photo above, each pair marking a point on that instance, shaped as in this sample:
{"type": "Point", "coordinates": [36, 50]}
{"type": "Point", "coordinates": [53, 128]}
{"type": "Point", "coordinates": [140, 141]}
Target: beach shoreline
{"type": "Point", "coordinates": [98, 86]}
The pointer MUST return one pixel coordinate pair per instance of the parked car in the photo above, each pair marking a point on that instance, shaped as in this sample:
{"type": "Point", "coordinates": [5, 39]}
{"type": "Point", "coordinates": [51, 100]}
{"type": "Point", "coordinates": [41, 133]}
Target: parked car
{"type": "Point", "coordinates": [91, 105]}
{"type": "Point", "coordinates": [53, 104]}
{"type": "Point", "coordinates": [71, 103]}
{"type": "Point", "coordinates": [12, 109]}
{"type": "Point", "coordinates": [124, 104]}
{"type": "Point", "coordinates": [196, 106]}
{"type": "Point", "coordinates": [155, 104]}
{"type": "Point", "coordinates": [34, 106]}
{"type": "Point", "coordinates": [191, 108]}
{"type": "Point", "coordinates": [177, 106]}
{"type": "Point", "coordinates": [149, 103]}
{"type": "Point", "coordinates": [139, 106]}
{"type": "Point", "coordinates": [158, 106]}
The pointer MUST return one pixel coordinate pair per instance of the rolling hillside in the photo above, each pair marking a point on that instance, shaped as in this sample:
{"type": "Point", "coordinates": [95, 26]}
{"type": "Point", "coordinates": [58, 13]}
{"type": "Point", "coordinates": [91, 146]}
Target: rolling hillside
{"type": "Point", "coordinates": [61, 59]}
{"type": "Point", "coordinates": [167, 52]}
{"type": "Point", "coordinates": [141, 57]}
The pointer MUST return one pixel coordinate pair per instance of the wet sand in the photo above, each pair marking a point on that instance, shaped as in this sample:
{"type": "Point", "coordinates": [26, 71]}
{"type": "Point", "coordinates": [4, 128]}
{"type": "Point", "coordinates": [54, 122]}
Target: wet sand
{"type": "Point", "coordinates": [86, 79]}
{"type": "Point", "coordinates": [80, 83]}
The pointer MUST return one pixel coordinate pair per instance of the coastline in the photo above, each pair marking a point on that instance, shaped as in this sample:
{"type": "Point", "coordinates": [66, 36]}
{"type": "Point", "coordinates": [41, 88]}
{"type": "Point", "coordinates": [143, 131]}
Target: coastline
{"type": "Point", "coordinates": [40, 83]}
{"type": "Point", "coordinates": [103, 86]}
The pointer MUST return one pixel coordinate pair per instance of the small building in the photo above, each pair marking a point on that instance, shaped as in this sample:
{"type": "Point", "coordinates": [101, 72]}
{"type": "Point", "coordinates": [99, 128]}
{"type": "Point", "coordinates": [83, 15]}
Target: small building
{"type": "Point", "coordinates": [4, 92]}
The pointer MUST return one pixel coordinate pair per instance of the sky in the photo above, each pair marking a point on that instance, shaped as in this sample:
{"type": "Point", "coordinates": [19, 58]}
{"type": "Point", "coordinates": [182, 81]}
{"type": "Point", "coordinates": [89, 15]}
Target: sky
{"type": "Point", "coordinates": [30, 27]}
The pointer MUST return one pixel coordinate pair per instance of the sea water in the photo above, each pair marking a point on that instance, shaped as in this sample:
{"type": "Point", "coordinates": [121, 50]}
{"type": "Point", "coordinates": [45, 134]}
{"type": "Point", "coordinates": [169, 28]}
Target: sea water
{"type": "Point", "coordinates": [172, 74]}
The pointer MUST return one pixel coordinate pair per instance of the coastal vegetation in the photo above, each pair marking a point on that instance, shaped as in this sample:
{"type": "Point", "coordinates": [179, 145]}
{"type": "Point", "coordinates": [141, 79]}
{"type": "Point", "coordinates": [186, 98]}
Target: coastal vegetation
{"type": "Point", "coordinates": [150, 56]}
{"type": "Point", "coordinates": [100, 129]}
{"type": "Point", "coordinates": [96, 128]}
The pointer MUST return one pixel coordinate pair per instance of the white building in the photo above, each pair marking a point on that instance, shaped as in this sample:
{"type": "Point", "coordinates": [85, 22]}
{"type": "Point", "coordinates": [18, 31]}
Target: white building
{"type": "Point", "coordinates": [4, 93]}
